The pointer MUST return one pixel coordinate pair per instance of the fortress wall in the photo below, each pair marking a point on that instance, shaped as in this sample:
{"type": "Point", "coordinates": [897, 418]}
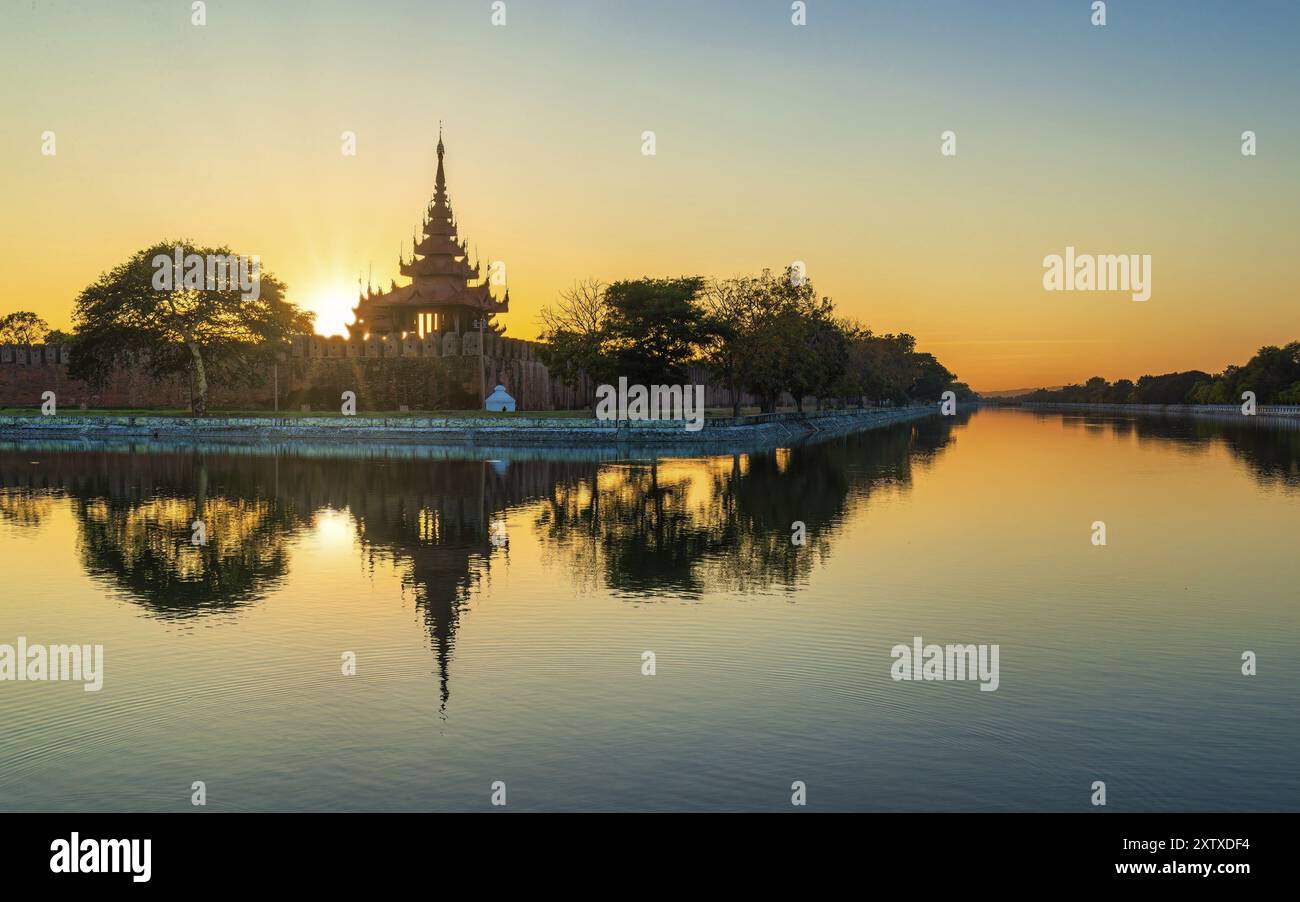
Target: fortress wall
{"type": "Point", "coordinates": [434, 373]}
{"type": "Point", "coordinates": [26, 373]}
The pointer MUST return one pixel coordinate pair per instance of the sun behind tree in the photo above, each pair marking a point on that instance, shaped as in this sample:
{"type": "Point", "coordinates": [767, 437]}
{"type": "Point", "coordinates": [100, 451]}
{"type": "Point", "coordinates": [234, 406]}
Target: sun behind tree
{"type": "Point", "coordinates": [214, 329]}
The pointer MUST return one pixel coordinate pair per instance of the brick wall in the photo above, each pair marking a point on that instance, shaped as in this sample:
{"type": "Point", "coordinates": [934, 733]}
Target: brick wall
{"type": "Point", "coordinates": [436, 372]}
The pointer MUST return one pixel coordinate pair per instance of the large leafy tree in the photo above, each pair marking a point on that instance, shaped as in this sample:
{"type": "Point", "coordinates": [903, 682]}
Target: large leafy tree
{"type": "Point", "coordinates": [23, 328]}
{"type": "Point", "coordinates": [213, 332]}
{"type": "Point", "coordinates": [655, 328]}
{"type": "Point", "coordinates": [791, 341]}
{"type": "Point", "coordinates": [816, 350]}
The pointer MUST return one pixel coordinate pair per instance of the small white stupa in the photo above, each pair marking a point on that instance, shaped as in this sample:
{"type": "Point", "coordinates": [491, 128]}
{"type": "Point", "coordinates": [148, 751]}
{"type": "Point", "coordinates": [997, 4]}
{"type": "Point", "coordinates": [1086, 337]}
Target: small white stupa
{"type": "Point", "coordinates": [499, 400]}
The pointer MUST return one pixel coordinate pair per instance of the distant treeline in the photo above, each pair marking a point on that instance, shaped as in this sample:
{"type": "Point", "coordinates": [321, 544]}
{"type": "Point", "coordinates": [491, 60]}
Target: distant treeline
{"type": "Point", "coordinates": [1273, 374]}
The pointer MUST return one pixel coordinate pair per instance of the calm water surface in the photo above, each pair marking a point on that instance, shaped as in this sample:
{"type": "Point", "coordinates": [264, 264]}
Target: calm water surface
{"type": "Point", "coordinates": [520, 659]}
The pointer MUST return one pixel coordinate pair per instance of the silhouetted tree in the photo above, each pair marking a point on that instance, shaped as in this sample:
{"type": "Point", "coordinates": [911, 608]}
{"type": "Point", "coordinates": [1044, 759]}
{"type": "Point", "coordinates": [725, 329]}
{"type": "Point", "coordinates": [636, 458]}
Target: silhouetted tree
{"type": "Point", "coordinates": [23, 328]}
{"type": "Point", "coordinates": [574, 330]}
{"type": "Point", "coordinates": [213, 331]}
{"type": "Point", "coordinates": [655, 328]}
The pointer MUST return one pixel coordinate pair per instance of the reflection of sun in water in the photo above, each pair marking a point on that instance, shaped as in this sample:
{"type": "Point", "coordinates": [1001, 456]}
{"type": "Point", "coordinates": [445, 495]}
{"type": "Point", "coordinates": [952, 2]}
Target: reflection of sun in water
{"type": "Point", "coordinates": [334, 527]}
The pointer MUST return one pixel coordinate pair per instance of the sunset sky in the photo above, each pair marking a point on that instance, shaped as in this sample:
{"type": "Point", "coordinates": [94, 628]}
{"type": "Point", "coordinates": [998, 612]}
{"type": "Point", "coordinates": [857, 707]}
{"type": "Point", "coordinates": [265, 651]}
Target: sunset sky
{"type": "Point", "coordinates": [775, 143]}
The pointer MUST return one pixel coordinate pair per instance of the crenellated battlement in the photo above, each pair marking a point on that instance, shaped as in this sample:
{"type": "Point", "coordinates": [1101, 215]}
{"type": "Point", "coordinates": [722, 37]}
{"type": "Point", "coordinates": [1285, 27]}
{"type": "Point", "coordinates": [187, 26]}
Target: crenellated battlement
{"type": "Point", "coordinates": [448, 344]}
{"type": "Point", "coordinates": [310, 346]}
{"type": "Point", "coordinates": [35, 355]}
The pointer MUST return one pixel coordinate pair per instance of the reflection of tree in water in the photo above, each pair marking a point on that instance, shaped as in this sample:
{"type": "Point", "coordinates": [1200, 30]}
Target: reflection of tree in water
{"type": "Point", "coordinates": [27, 493]}
{"type": "Point", "coordinates": [25, 506]}
{"type": "Point", "coordinates": [690, 526]}
{"type": "Point", "coordinates": [146, 549]}
{"type": "Point", "coordinates": [1268, 448]}
{"type": "Point", "coordinates": [140, 537]}
{"type": "Point", "coordinates": [639, 527]}
{"type": "Point", "coordinates": [134, 513]}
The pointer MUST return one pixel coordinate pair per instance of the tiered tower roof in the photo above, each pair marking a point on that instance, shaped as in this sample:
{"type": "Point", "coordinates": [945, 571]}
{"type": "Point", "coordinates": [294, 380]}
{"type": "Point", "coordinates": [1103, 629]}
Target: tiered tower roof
{"type": "Point", "coordinates": [442, 278]}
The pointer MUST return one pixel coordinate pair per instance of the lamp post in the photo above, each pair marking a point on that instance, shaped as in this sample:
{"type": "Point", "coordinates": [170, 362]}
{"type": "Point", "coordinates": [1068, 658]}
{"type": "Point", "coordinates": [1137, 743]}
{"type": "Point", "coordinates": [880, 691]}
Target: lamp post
{"type": "Point", "coordinates": [482, 368]}
{"type": "Point", "coordinates": [275, 384]}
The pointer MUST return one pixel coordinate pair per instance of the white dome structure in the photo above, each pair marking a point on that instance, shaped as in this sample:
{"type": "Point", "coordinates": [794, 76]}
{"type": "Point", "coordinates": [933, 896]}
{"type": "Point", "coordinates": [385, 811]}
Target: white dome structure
{"type": "Point", "coordinates": [499, 400]}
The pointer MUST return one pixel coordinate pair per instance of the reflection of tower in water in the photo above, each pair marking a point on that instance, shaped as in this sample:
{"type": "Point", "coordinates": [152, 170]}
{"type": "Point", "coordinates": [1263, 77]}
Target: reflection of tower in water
{"type": "Point", "coordinates": [441, 525]}
{"type": "Point", "coordinates": [441, 543]}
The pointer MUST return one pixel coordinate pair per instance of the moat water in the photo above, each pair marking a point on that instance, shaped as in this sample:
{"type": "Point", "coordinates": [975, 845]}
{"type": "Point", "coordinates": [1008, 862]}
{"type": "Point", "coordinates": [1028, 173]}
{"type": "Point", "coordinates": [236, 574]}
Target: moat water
{"type": "Point", "coordinates": [500, 606]}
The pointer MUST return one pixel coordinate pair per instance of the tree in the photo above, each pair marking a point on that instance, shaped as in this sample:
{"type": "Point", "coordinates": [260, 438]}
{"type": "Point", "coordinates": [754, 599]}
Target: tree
{"type": "Point", "coordinates": [761, 344]}
{"type": "Point", "coordinates": [889, 367]}
{"type": "Point", "coordinates": [23, 328]}
{"type": "Point", "coordinates": [1095, 389]}
{"type": "Point", "coordinates": [1290, 395]}
{"type": "Point", "coordinates": [851, 385]}
{"type": "Point", "coordinates": [574, 332]}
{"type": "Point", "coordinates": [1119, 392]}
{"type": "Point", "coordinates": [655, 328]}
{"type": "Point", "coordinates": [729, 309]}
{"type": "Point", "coordinates": [213, 331]}
{"type": "Point", "coordinates": [1169, 388]}
{"type": "Point", "coordinates": [932, 378]}
{"type": "Point", "coordinates": [813, 352]}
{"type": "Point", "coordinates": [764, 334]}
{"type": "Point", "coordinates": [1270, 372]}
{"type": "Point", "coordinates": [964, 392]}
{"type": "Point", "coordinates": [788, 340]}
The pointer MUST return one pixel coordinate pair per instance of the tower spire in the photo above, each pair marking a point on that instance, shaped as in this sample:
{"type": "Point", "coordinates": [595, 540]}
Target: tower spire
{"type": "Point", "coordinates": [440, 180]}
